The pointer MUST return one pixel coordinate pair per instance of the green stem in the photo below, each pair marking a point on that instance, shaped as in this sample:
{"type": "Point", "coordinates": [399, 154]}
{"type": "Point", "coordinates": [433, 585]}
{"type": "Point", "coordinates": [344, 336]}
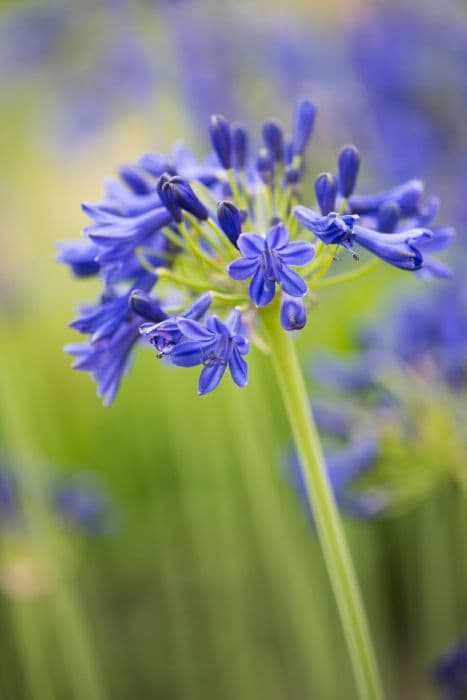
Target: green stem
{"type": "Point", "coordinates": [347, 276]}
{"type": "Point", "coordinates": [330, 532]}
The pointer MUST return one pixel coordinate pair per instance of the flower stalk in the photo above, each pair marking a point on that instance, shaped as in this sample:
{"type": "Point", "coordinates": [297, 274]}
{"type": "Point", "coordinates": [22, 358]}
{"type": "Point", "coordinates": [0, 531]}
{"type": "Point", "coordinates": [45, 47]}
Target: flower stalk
{"type": "Point", "coordinates": [330, 531]}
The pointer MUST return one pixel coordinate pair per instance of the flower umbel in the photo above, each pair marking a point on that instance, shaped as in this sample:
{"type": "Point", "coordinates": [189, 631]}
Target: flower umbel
{"type": "Point", "coordinates": [189, 253]}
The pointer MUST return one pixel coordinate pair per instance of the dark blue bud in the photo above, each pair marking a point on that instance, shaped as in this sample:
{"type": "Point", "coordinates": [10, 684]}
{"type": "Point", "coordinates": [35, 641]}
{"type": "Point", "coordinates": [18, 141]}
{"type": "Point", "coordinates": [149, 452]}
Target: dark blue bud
{"type": "Point", "coordinates": [326, 191]}
{"type": "Point", "coordinates": [348, 166]}
{"type": "Point", "coordinates": [239, 145]}
{"type": "Point", "coordinates": [134, 179]}
{"type": "Point", "coordinates": [305, 115]}
{"type": "Point", "coordinates": [388, 217]}
{"type": "Point", "coordinates": [186, 198]}
{"type": "Point", "coordinates": [292, 176]}
{"type": "Point", "coordinates": [167, 197]}
{"type": "Point", "coordinates": [229, 219]}
{"type": "Point", "coordinates": [273, 137]}
{"type": "Point", "coordinates": [265, 166]}
{"type": "Point", "coordinates": [221, 139]}
{"type": "Point", "coordinates": [293, 313]}
{"type": "Point", "coordinates": [199, 307]}
{"type": "Point", "coordinates": [146, 307]}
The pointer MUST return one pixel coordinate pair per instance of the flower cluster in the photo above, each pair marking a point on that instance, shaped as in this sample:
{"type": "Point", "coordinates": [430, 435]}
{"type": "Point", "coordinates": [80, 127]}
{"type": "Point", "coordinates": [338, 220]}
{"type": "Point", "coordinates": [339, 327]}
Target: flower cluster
{"type": "Point", "coordinates": [350, 453]}
{"type": "Point", "coordinates": [189, 253]}
{"type": "Point", "coordinates": [405, 390]}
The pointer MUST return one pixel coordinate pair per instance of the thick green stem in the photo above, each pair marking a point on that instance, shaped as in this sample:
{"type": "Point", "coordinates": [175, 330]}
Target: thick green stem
{"type": "Point", "coordinates": [339, 564]}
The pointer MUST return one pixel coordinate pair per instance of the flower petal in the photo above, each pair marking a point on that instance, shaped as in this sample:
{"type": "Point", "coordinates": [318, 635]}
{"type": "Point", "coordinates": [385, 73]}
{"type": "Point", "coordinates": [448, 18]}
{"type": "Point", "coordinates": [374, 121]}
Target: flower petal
{"type": "Point", "coordinates": [194, 330]}
{"type": "Point", "coordinates": [242, 268]}
{"type": "Point", "coordinates": [238, 368]}
{"type": "Point", "coordinates": [292, 283]}
{"type": "Point", "coordinates": [186, 354]}
{"type": "Point", "coordinates": [234, 322]}
{"type": "Point", "coordinates": [277, 236]}
{"type": "Point", "coordinates": [441, 240]}
{"type": "Point", "coordinates": [297, 253]}
{"type": "Point", "coordinates": [261, 290]}
{"type": "Point", "coordinates": [434, 268]}
{"type": "Point", "coordinates": [210, 377]}
{"type": "Point", "coordinates": [251, 245]}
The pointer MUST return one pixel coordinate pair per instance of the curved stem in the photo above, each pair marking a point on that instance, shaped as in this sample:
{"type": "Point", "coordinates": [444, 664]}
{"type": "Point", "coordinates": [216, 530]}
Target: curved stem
{"type": "Point", "coordinates": [330, 532]}
{"type": "Point", "coordinates": [347, 276]}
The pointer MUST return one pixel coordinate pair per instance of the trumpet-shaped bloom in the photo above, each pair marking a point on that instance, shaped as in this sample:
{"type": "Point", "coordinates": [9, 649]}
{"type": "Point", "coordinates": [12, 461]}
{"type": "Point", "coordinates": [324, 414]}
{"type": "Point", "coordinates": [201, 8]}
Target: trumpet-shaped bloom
{"type": "Point", "coordinates": [216, 346]}
{"type": "Point", "coordinates": [267, 260]}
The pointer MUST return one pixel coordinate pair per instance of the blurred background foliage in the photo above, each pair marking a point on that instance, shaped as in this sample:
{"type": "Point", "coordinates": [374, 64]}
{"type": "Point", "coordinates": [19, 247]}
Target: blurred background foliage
{"type": "Point", "coordinates": [209, 582]}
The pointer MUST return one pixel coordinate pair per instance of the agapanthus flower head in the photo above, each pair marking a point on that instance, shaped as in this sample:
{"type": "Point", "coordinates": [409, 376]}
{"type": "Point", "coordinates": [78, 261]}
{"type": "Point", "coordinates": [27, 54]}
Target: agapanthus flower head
{"type": "Point", "coordinates": [189, 253]}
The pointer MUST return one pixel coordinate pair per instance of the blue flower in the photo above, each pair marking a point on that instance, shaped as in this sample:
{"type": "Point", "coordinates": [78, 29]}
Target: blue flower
{"type": "Point", "coordinates": [431, 337]}
{"type": "Point", "coordinates": [80, 256]}
{"type": "Point", "coordinates": [104, 319]}
{"type": "Point", "coordinates": [403, 250]}
{"type": "Point", "coordinates": [215, 346]}
{"type": "Point", "coordinates": [108, 358]}
{"type": "Point", "coordinates": [8, 498]}
{"type": "Point", "coordinates": [344, 466]}
{"type": "Point", "coordinates": [83, 505]}
{"type": "Point", "coordinates": [165, 335]}
{"type": "Point", "coordinates": [332, 229]}
{"type": "Point", "coordinates": [356, 374]}
{"type": "Point", "coordinates": [118, 236]}
{"type": "Point", "coordinates": [267, 260]}
{"type": "Point", "coordinates": [450, 672]}
{"type": "Point", "coordinates": [408, 196]}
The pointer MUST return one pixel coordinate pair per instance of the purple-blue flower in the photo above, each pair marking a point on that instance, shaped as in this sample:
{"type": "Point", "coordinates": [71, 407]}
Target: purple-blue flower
{"type": "Point", "coordinates": [166, 334]}
{"type": "Point", "coordinates": [83, 505]}
{"type": "Point", "coordinates": [8, 498]}
{"type": "Point", "coordinates": [108, 358]}
{"type": "Point", "coordinates": [216, 346]}
{"type": "Point", "coordinates": [267, 260]}
{"type": "Point", "coordinates": [332, 228]}
{"type": "Point", "coordinates": [105, 318]}
{"type": "Point", "coordinates": [80, 256]}
{"type": "Point", "coordinates": [408, 196]}
{"type": "Point", "coordinates": [402, 249]}
{"type": "Point", "coordinates": [344, 466]}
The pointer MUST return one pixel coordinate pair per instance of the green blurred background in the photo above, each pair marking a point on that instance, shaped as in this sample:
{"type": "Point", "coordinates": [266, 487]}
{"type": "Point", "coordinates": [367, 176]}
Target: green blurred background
{"type": "Point", "coordinates": [211, 584]}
